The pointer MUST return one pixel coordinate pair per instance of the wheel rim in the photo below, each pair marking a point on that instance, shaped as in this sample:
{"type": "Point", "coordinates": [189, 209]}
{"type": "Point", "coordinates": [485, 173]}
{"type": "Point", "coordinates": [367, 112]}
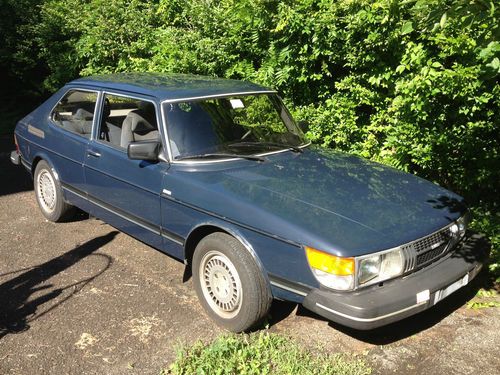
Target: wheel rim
{"type": "Point", "coordinates": [220, 284]}
{"type": "Point", "coordinates": [46, 191]}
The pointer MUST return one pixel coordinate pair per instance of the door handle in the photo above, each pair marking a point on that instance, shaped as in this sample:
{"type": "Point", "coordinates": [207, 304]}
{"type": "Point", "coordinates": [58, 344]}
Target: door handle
{"type": "Point", "coordinates": [93, 153]}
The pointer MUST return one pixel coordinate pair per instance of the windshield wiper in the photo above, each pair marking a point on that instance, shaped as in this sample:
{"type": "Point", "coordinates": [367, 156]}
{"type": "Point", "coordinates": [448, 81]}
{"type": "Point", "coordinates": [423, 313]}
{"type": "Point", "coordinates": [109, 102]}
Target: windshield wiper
{"type": "Point", "coordinates": [272, 144]}
{"type": "Point", "coordinates": [221, 155]}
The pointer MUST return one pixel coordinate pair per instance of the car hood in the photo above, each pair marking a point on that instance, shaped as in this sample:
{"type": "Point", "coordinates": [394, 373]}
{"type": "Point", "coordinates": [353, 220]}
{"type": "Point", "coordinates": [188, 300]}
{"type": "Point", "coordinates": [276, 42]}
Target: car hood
{"type": "Point", "coordinates": [325, 199]}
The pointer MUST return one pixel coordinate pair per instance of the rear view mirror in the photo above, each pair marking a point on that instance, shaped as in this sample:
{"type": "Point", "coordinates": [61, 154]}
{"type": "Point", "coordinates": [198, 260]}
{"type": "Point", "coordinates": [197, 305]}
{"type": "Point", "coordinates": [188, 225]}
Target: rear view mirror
{"type": "Point", "coordinates": [144, 150]}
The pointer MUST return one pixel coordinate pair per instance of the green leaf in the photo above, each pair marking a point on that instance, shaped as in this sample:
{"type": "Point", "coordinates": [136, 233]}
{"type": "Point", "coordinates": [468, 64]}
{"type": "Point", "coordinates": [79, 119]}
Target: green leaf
{"type": "Point", "coordinates": [495, 63]}
{"type": "Point", "coordinates": [407, 28]}
{"type": "Point", "coordinates": [401, 68]}
{"type": "Point", "coordinates": [442, 22]}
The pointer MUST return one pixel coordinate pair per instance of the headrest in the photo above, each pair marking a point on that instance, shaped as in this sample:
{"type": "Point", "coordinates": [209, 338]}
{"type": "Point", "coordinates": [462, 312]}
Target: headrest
{"type": "Point", "coordinates": [139, 123]}
{"type": "Point", "coordinates": [82, 114]}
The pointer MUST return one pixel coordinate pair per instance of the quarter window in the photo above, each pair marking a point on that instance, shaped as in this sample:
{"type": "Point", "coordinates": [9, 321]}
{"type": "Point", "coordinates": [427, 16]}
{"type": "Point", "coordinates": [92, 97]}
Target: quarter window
{"type": "Point", "coordinates": [126, 120]}
{"type": "Point", "coordinates": [75, 112]}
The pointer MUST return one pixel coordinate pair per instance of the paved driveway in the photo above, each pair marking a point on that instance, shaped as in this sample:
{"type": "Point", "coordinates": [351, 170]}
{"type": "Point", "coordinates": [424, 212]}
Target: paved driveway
{"type": "Point", "coordinates": [82, 298]}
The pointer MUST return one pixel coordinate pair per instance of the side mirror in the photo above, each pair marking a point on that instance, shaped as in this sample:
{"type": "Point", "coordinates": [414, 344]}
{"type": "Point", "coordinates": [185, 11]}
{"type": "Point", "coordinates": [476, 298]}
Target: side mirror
{"type": "Point", "coordinates": [303, 125]}
{"type": "Point", "coordinates": [144, 150]}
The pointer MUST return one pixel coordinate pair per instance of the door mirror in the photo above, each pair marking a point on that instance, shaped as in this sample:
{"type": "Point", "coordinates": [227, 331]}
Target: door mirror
{"type": "Point", "coordinates": [144, 150]}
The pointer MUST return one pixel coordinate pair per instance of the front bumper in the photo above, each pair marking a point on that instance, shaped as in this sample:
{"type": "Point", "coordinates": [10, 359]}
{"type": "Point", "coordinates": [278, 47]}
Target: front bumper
{"type": "Point", "coordinates": [396, 299]}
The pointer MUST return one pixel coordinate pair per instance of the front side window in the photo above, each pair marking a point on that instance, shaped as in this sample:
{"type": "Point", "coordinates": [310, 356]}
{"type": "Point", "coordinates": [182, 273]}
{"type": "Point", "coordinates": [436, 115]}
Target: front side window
{"type": "Point", "coordinates": [126, 120]}
{"type": "Point", "coordinates": [244, 125]}
{"type": "Point", "coordinates": [75, 112]}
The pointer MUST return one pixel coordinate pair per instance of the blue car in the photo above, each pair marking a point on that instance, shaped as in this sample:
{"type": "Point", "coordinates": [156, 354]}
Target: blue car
{"type": "Point", "coordinates": [216, 173]}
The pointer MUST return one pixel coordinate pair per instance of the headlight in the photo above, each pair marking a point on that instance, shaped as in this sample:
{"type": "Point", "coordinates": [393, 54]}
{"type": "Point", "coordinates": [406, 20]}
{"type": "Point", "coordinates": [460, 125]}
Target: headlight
{"type": "Point", "coordinates": [459, 228]}
{"type": "Point", "coordinates": [330, 270]}
{"type": "Point", "coordinates": [340, 273]}
{"type": "Point", "coordinates": [380, 267]}
{"type": "Point", "coordinates": [462, 225]}
{"type": "Point", "coordinates": [369, 268]}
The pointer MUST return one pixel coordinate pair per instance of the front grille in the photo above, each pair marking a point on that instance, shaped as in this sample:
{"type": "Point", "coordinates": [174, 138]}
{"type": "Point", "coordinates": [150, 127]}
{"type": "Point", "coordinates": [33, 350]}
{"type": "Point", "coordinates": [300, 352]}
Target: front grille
{"type": "Point", "coordinates": [431, 241]}
{"type": "Point", "coordinates": [425, 250]}
{"type": "Point", "coordinates": [430, 255]}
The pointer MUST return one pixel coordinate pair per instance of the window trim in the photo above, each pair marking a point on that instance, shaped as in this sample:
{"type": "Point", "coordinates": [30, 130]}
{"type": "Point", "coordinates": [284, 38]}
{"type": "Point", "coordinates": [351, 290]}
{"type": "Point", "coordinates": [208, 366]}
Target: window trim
{"type": "Point", "coordinates": [104, 92]}
{"type": "Point", "coordinates": [72, 88]}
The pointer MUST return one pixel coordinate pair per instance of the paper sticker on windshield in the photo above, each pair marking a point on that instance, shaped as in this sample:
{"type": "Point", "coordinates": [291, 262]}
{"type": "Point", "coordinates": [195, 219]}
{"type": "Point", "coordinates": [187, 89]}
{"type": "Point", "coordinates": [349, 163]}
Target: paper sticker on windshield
{"type": "Point", "coordinates": [237, 103]}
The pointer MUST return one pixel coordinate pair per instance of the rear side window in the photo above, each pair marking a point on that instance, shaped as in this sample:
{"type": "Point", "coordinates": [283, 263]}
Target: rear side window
{"type": "Point", "coordinates": [75, 112]}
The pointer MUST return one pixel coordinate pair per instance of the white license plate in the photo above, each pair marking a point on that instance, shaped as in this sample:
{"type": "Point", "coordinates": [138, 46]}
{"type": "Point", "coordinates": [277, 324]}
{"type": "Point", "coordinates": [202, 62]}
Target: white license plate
{"type": "Point", "coordinates": [443, 293]}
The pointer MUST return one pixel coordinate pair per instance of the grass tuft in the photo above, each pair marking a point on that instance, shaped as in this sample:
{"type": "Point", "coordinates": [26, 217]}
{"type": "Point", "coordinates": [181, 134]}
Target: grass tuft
{"type": "Point", "coordinates": [261, 353]}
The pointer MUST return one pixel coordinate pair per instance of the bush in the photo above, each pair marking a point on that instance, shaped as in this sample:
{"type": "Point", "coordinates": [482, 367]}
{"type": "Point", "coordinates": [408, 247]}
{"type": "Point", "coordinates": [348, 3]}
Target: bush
{"type": "Point", "coordinates": [261, 353]}
{"type": "Point", "coordinates": [488, 222]}
{"type": "Point", "coordinates": [412, 84]}
{"type": "Point", "coordinates": [21, 72]}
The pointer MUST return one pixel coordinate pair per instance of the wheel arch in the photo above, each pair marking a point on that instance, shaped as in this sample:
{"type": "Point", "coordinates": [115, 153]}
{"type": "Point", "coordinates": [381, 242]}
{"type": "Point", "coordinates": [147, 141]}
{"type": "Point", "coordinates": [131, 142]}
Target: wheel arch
{"type": "Point", "coordinates": [202, 230]}
{"type": "Point", "coordinates": [39, 157]}
{"type": "Point", "coordinates": [36, 160]}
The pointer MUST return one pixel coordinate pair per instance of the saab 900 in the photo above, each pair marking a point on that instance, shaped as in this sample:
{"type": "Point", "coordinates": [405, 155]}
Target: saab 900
{"type": "Point", "coordinates": [216, 173]}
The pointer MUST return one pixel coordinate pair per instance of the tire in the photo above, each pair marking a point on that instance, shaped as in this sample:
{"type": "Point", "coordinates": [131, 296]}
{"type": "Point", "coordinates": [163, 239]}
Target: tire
{"type": "Point", "coordinates": [229, 284]}
{"type": "Point", "coordinates": [49, 194]}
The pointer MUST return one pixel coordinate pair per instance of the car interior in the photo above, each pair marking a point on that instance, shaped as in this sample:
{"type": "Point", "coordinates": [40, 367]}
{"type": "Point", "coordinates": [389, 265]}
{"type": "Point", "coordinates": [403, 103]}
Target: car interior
{"type": "Point", "coordinates": [124, 119]}
{"type": "Point", "coordinates": [127, 120]}
{"type": "Point", "coordinates": [75, 112]}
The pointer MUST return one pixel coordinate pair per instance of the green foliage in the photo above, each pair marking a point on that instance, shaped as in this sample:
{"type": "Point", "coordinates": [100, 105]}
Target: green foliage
{"type": "Point", "coordinates": [484, 299]}
{"type": "Point", "coordinates": [17, 18]}
{"type": "Point", "coordinates": [476, 305]}
{"type": "Point", "coordinates": [420, 92]}
{"type": "Point", "coordinates": [487, 222]}
{"type": "Point", "coordinates": [20, 69]}
{"type": "Point", "coordinates": [260, 353]}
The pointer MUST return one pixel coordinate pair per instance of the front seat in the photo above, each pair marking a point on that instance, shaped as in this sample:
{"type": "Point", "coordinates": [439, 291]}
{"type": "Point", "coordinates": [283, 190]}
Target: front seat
{"type": "Point", "coordinates": [139, 125]}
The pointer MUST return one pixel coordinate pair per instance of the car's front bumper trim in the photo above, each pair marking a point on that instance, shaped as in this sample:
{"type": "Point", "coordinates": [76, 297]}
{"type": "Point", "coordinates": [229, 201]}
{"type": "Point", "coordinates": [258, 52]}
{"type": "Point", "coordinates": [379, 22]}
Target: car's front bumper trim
{"type": "Point", "coordinates": [369, 320]}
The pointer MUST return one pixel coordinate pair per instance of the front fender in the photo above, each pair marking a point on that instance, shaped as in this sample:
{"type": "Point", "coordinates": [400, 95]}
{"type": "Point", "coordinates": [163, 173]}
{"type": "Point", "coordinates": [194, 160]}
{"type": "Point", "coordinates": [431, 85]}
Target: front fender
{"type": "Point", "coordinates": [219, 225]}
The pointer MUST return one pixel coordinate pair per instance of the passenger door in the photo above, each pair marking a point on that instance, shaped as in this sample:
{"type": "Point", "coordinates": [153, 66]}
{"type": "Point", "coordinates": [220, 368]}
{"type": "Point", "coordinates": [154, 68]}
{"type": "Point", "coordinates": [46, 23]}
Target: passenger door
{"type": "Point", "coordinates": [125, 192]}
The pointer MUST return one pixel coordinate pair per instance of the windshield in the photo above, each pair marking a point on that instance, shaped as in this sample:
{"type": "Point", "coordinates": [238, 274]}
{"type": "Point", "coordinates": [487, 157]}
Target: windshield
{"type": "Point", "coordinates": [240, 125]}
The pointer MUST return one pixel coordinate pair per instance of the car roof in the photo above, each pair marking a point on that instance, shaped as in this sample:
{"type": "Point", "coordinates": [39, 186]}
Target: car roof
{"type": "Point", "coordinates": [169, 86]}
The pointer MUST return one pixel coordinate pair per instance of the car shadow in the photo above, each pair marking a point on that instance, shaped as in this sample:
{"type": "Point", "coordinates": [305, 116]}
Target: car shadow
{"type": "Point", "coordinates": [78, 215]}
{"type": "Point", "coordinates": [280, 310]}
{"type": "Point", "coordinates": [14, 178]}
{"type": "Point", "coordinates": [17, 309]}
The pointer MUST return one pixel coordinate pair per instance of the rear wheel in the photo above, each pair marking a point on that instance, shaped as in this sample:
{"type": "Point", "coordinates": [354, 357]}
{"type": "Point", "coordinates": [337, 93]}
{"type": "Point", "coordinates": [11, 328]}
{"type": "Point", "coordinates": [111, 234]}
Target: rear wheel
{"type": "Point", "coordinates": [229, 284]}
{"type": "Point", "coordinates": [49, 195]}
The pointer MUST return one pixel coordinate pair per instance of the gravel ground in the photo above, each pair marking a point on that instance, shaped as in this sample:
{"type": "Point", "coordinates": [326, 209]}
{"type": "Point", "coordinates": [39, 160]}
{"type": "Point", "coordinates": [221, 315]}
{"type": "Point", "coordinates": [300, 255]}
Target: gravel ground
{"type": "Point", "coordinates": [83, 298]}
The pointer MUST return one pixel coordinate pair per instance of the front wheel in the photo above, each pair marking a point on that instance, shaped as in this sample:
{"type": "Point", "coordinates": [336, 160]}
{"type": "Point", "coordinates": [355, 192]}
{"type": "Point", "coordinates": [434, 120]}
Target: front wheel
{"type": "Point", "coordinates": [229, 284]}
{"type": "Point", "coordinates": [48, 194]}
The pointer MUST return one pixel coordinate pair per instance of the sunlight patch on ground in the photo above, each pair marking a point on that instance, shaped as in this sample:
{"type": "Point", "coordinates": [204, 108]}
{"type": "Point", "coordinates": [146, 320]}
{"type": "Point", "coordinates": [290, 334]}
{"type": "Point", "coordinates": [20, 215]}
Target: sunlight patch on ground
{"type": "Point", "coordinates": [86, 340]}
{"type": "Point", "coordinates": [141, 327]}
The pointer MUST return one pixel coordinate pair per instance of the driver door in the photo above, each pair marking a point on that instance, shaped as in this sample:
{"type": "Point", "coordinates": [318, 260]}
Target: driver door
{"type": "Point", "coordinates": [125, 192]}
